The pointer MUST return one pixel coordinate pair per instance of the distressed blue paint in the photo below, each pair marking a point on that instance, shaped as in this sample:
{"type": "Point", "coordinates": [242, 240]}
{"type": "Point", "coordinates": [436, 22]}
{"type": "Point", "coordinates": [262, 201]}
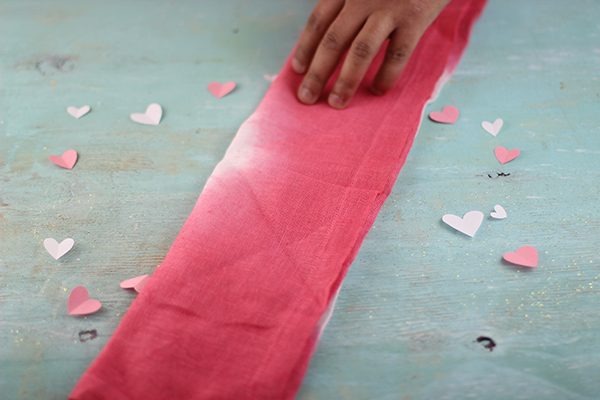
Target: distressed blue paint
{"type": "Point", "coordinates": [418, 294]}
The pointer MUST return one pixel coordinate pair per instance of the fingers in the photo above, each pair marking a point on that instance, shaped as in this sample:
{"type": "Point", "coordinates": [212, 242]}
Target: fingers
{"type": "Point", "coordinates": [330, 49]}
{"type": "Point", "coordinates": [335, 24]}
{"type": "Point", "coordinates": [402, 44]}
{"type": "Point", "coordinates": [411, 25]}
{"type": "Point", "coordinates": [363, 50]}
{"type": "Point", "coordinates": [318, 22]}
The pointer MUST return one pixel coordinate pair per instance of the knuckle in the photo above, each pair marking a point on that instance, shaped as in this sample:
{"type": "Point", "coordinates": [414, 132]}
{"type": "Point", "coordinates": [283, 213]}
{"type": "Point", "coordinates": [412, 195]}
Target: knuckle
{"type": "Point", "coordinates": [346, 84]}
{"type": "Point", "coordinates": [314, 79]}
{"type": "Point", "coordinates": [416, 8]}
{"type": "Point", "coordinates": [331, 41]}
{"type": "Point", "coordinates": [362, 50]}
{"type": "Point", "coordinates": [397, 54]}
{"type": "Point", "coordinates": [300, 53]}
{"type": "Point", "coordinates": [314, 23]}
{"type": "Point", "coordinates": [412, 13]}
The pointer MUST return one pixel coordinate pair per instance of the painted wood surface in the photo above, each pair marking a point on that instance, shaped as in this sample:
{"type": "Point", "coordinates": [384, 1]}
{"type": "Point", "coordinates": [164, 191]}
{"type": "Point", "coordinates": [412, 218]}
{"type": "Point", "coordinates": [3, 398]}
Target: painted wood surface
{"type": "Point", "coordinates": [418, 295]}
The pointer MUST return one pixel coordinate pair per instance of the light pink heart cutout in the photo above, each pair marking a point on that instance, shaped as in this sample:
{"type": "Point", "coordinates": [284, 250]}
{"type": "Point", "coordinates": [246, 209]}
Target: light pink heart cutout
{"type": "Point", "coordinates": [468, 224]}
{"type": "Point", "coordinates": [503, 155]}
{"type": "Point", "coordinates": [67, 160]}
{"type": "Point", "coordinates": [138, 288]}
{"type": "Point", "coordinates": [221, 89]}
{"type": "Point", "coordinates": [78, 112]}
{"type": "Point", "coordinates": [526, 256]}
{"type": "Point", "coordinates": [493, 128]}
{"type": "Point", "coordinates": [136, 283]}
{"type": "Point", "coordinates": [499, 212]}
{"type": "Point", "coordinates": [80, 303]}
{"type": "Point", "coordinates": [448, 115]}
{"type": "Point", "coordinates": [57, 250]}
{"type": "Point", "coordinates": [151, 116]}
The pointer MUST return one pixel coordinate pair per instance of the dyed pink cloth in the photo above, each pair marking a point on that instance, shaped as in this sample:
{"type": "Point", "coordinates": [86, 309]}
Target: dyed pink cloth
{"type": "Point", "coordinates": [234, 311]}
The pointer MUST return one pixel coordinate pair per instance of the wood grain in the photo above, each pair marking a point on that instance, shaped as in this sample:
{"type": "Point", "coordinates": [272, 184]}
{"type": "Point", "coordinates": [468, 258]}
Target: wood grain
{"type": "Point", "coordinates": [418, 295]}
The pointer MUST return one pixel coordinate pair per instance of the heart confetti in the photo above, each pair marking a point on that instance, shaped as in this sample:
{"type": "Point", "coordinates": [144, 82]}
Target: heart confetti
{"type": "Point", "coordinates": [448, 115]}
{"type": "Point", "coordinates": [503, 155]}
{"type": "Point", "coordinates": [140, 285]}
{"type": "Point", "coordinates": [526, 256]}
{"type": "Point", "coordinates": [499, 212]}
{"type": "Point", "coordinates": [493, 128]}
{"type": "Point", "coordinates": [469, 224]}
{"type": "Point", "coordinates": [77, 113]}
{"type": "Point", "coordinates": [136, 283]}
{"type": "Point", "coordinates": [66, 160]}
{"type": "Point", "coordinates": [151, 116]}
{"type": "Point", "coordinates": [57, 250]}
{"type": "Point", "coordinates": [79, 302]}
{"type": "Point", "coordinates": [221, 89]}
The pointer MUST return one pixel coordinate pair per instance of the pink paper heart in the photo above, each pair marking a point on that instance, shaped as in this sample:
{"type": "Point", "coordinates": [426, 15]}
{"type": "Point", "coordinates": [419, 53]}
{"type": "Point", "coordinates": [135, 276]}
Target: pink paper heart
{"type": "Point", "coordinates": [79, 302]}
{"type": "Point", "coordinates": [221, 89]}
{"type": "Point", "coordinates": [526, 256]}
{"type": "Point", "coordinates": [76, 112]}
{"type": "Point", "coordinates": [140, 285]}
{"type": "Point", "coordinates": [151, 116]}
{"type": "Point", "coordinates": [136, 283]}
{"type": "Point", "coordinates": [503, 155]}
{"type": "Point", "coordinates": [67, 160]}
{"type": "Point", "coordinates": [448, 115]}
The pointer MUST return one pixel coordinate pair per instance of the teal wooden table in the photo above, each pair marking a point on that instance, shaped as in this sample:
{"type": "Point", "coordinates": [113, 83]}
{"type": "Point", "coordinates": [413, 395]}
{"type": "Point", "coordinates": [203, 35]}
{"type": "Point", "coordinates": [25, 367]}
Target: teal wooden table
{"type": "Point", "coordinates": [418, 295]}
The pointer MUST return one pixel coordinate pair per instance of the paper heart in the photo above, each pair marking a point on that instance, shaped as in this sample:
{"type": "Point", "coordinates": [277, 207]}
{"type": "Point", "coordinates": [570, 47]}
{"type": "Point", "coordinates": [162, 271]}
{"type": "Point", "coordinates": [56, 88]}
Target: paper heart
{"type": "Point", "coordinates": [499, 212]}
{"type": "Point", "coordinates": [78, 112]}
{"type": "Point", "coordinates": [468, 224]}
{"type": "Point", "coordinates": [136, 283]}
{"type": "Point", "coordinates": [57, 250]}
{"type": "Point", "coordinates": [79, 302]}
{"type": "Point", "coordinates": [221, 89]}
{"type": "Point", "coordinates": [503, 155]}
{"type": "Point", "coordinates": [138, 288]}
{"type": "Point", "coordinates": [269, 77]}
{"type": "Point", "coordinates": [526, 256]}
{"type": "Point", "coordinates": [66, 160]}
{"type": "Point", "coordinates": [151, 116]}
{"type": "Point", "coordinates": [448, 115]}
{"type": "Point", "coordinates": [493, 128]}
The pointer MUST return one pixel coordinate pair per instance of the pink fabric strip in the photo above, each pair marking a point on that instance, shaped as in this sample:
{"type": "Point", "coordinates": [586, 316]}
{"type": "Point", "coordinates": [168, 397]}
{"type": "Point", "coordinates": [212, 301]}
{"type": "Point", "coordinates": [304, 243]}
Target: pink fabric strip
{"type": "Point", "coordinates": [234, 310]}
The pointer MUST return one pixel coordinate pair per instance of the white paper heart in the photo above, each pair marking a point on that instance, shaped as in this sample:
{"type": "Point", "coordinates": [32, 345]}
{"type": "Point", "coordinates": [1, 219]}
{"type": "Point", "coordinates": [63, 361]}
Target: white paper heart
{"type": "Point", "coordinates": [78, 112]}
{"type": "Point", "coordinates": [57, 250]}
{"type": "Point", "coordinates": [151, 116]}
{"type": "Point", "coordinates": [499, 212]}
{"type": "Point", "coordinates": [493, 128]}
{"type": "Point", "coordinates": [468, 224]}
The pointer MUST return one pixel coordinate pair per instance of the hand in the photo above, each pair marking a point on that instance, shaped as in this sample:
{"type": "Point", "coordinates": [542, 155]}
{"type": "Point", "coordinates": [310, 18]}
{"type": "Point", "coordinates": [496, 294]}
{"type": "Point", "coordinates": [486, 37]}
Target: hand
{"type": "Point", "coordinates": [363, 26]}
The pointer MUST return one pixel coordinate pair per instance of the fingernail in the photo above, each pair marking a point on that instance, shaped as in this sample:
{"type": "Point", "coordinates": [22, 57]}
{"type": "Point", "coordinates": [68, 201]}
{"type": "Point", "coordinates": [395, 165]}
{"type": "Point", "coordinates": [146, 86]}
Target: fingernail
{"type": "Point", "coordinates": [306, 95]}
{"type": "Point", "coordinates": [297, 66]}
{"type": "Point", "coordinates": [336, 101]}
